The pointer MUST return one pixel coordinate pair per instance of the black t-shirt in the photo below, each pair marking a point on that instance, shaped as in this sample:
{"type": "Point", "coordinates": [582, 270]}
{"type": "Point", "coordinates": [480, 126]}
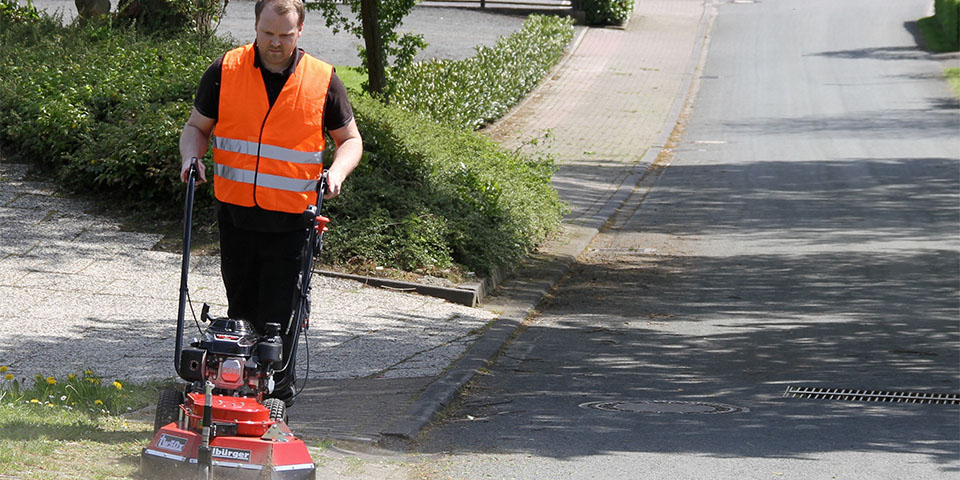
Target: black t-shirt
{"type": "Point", "coordinates": [337, 113]}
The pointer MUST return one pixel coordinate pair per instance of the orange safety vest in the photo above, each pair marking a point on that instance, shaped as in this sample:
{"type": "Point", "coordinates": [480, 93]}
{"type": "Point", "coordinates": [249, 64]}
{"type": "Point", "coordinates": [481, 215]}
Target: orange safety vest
{"type": "Point", "coordinates": [266, 156]}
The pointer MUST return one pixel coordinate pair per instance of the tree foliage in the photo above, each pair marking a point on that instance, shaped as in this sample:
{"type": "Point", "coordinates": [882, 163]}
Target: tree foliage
{"type": "Point", "coordinates": [399, 48]}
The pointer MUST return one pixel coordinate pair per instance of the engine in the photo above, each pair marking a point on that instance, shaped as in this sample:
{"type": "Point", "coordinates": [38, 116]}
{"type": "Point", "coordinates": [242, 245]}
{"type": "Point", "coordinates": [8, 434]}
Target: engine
{"type": "Point", "coordinates": [234, 357]}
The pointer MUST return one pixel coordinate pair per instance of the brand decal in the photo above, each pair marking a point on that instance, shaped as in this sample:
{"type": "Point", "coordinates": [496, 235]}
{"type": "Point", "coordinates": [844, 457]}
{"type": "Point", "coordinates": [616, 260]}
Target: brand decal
{"type": "Point", "coordinates": [171, 443]}
{"type": "Point", "coordinates": [230, 454]}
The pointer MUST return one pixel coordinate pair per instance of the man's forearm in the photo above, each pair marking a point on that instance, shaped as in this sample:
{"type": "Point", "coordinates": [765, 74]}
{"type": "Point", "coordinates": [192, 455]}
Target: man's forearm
{"type": "Point", "coordinates": [347, 157]}
{"type": "Point", "coordinates": [193, 143]}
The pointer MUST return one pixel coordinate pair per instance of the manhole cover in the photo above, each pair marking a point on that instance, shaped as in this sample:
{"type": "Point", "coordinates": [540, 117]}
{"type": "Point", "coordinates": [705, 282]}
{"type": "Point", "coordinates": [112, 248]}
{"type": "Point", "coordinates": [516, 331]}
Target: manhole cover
{"type": "Point", "coordinates": [664, 406]}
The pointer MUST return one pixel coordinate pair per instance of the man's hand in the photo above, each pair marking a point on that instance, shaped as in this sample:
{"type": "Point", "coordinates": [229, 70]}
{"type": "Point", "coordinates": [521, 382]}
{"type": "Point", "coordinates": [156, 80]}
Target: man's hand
{"type": "Point", "coordinates": [201, 170]}
{"type": "Point", "coordinates": [334, 183]}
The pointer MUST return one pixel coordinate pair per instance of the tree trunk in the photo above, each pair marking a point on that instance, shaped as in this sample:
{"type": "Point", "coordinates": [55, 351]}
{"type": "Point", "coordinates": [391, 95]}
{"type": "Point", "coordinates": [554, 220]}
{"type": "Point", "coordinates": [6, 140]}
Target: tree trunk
{"type": "Point", "coordinates": [374, 45]}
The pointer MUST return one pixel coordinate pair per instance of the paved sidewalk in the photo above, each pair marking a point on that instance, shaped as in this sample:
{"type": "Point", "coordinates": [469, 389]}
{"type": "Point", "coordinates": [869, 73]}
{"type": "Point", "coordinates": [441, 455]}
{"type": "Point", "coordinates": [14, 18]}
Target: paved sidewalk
{"type": "Point", "coordinates": [610, 102]}
{"type": "Point", "coordinates": [77, 292]}
{"type": "Point", "coordinates": [610, 107]}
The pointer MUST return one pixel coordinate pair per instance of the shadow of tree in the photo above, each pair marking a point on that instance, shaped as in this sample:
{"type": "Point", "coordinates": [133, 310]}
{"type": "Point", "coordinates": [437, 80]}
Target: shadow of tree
{"type": "Point", "coordinates": [877, 53]}
{"type": "Point", "coordinates": [735, 330]}
{"type": "Point", "coordinates": [844, 201]}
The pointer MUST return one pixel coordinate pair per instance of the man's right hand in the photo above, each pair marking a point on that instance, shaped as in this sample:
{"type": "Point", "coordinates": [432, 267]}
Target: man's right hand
{"type": "Point", "coordinates": [201, 170]}
{"type": "Point", "coordinates": [194, 140]}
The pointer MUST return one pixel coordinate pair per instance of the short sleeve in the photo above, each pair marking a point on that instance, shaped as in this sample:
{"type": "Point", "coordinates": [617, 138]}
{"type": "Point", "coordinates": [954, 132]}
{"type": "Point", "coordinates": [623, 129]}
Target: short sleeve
{"type": "Point", "coordinates": [337, 111]}
{"type": "Point", "coordinates": [207, 101]}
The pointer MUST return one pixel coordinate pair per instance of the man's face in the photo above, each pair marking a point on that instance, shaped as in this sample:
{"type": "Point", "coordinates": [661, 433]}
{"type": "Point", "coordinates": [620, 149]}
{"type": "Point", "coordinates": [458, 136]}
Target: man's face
{"type": "Point", "coordinates": [277, 37]}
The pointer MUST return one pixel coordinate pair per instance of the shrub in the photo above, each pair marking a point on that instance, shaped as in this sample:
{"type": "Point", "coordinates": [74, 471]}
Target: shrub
{"type": "Point", "coordinates": [947, 14]}
{"type": "Point", "coordinates": [941, 32]}
{"type": "Point", "coordinates": [607, 12]}
{"type": "Point", "coordinates": [475, 91]}
{"type": "Point", "coordinates": [13, 11]}
{"type": "Point", "coordinates": [101, 107]}
{"type": "Point", "coordinates": [429, 196]}
{"type": "Point", "coordinates": [98, 105]}
{"type": "Point", "coordinates": [132, 156]}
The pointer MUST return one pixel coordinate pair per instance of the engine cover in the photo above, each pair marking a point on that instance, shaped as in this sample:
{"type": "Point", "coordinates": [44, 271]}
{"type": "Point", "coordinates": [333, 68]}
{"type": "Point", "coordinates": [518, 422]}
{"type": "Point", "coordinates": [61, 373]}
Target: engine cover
{"type": "Point", "coordinates": [226, 336]}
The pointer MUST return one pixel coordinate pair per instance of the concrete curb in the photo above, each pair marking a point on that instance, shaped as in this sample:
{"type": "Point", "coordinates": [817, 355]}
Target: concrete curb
{"type": "Point", "coordinates": [443, 390]}
{"type": "Point", "coordinates": [466, 294]}
{"type": "Point", "coordinates": [519, 300]}
{"type": "Point", "coordinates": [546, 274]}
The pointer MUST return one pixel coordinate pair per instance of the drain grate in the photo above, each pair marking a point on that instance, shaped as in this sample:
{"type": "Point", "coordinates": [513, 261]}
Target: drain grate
{"type": "Point", "coordinates": [851, 395]}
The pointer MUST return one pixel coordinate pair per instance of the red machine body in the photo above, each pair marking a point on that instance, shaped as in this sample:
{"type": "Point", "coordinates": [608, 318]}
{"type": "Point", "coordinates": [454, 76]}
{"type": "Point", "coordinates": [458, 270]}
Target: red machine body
{"type": "Point", "coordinates": [248, 444]}
{"type": "Point", "coordinates": [250, 417]}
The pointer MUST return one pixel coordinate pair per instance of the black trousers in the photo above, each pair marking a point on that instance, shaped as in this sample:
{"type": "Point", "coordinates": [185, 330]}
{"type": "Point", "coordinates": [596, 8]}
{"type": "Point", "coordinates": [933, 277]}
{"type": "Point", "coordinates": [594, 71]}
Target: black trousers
{"type": "Point", "coordinates": [260, 272]}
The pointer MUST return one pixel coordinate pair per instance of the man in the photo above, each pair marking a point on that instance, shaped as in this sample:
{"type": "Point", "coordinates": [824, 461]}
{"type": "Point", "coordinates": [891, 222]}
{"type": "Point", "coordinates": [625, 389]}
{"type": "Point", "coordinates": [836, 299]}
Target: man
{"type": "Point", "coordinates": [265, 108]}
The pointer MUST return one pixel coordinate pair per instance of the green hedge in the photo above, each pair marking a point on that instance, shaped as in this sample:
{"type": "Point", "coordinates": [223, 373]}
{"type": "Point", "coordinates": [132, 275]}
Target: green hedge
{"type": "Point", "coordinates": [101, 108]}
{"type": "Point", "coordinates": [475, 91]}
{"type": "Point", "coordinates": [947, 14]}
{"type": "Point", "coordinates": [941, 32]}
{"type": "Point", "coordinates": [430, 196]}
{"type": "Point", "coordinates": [607, 12]}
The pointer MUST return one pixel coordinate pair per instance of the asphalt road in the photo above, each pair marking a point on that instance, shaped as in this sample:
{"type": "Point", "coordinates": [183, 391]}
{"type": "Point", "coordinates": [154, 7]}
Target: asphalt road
{"type": "Point", "coordinates": [805, 233]}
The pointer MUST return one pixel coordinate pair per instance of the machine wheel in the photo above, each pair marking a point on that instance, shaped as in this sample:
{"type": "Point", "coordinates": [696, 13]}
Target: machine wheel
{"type": "Point", "coordinates": [168, 407]}
{"type": "Point", "coordinates": [278, 409]}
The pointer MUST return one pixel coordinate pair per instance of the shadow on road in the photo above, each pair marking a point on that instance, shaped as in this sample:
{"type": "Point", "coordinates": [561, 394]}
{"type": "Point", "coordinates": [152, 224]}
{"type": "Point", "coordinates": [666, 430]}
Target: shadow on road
{"type": "Point", "coordinates": [826, 283]}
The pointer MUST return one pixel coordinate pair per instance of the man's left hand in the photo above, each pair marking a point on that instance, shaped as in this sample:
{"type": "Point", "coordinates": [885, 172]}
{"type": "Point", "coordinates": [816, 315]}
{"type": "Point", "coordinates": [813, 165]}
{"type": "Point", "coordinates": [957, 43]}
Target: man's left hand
{"type": "Point", "coordinates": [349, 150]}
{"type": "Point", "coordinates": [334, 183]}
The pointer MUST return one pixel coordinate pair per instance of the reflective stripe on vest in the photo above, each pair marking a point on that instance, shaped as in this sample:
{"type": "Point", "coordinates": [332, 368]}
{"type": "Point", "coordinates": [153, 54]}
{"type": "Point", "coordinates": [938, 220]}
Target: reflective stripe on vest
{"type": "Point", "coordinates": [269, 156]}
{"type": "Point", "coordinates": [265, 179]}
{"type": "Point", "coordinates": [267, 151]}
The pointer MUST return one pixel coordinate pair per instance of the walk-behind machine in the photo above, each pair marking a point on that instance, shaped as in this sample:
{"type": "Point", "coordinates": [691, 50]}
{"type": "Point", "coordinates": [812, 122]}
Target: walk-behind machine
{"type": "Point", "coordinates": [223, 424]}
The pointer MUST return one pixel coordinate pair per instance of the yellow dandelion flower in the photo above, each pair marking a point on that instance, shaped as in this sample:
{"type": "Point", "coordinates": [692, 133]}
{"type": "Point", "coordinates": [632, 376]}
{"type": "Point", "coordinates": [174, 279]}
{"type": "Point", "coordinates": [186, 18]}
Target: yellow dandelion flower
{"type": "Point", "coordinates": [88, 372]}
{"type": "Point", "coordinates": [3, 369]}
{"type": "Point", "coordinates": [118, 385]}
{"type": "Point", "coordinates": [71, 376]}
{"type": "Point", "coordinates": [9, 376]}
{"type": "Point", "coordinates": [98, 402]}
{"type": "Point", "coordinates": [51, 381]}
{"type": "Point", "coordinates": [34, 400]}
